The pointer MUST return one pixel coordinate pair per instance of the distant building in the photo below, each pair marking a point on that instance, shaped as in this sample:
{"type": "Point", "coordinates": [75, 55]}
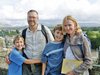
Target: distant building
{"type": "Point", "coordinates": [8, 31]}
{"type": "Point", "coordinates": [9, 41]}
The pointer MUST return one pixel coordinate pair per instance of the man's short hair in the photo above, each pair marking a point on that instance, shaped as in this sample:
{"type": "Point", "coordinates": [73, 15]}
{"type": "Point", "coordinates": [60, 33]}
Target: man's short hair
{"type": "Point", "coordinates": [32, 11]}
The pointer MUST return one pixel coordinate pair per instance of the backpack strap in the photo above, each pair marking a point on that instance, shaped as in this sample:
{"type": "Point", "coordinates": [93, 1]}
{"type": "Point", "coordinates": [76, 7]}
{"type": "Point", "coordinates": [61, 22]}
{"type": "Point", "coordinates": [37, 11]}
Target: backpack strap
{"type": "Point", "coordinates": [24, 55]}
{"type": "Point", "coordinates": [88, 41]}
{"type": "Point", "coordinates": [44, 32]}
{"type": "Point", "coordinates": [24, 33]}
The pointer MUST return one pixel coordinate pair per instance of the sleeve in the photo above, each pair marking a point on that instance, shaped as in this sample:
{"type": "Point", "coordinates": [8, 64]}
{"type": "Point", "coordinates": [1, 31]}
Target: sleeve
{"type": "Point", "coordinates": [17, 58]}
{"type": "Point", "coordinates": [49, 34]}
{"type": "Point", "coordinates": [87, 60]}
{"type": "Point", "coordinates": [44, 57]}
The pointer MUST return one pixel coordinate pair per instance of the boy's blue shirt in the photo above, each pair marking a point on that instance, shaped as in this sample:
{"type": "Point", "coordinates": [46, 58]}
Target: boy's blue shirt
{"type": "Point", "coordinates": [16, 58]}
{"type": "Point", "coordinates": [53, 54]}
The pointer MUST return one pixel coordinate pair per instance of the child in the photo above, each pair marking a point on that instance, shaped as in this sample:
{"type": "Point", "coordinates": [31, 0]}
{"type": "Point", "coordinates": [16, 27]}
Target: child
{"type": "Point", "coordinates": [16, 58]}
{"type": "Point", "coordinates": [53, 54]}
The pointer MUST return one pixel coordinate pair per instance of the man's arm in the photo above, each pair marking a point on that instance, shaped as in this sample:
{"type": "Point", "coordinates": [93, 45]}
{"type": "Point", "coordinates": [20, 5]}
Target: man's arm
{"type": "Point", "coordinates": [43, 68]}
{"type": "Point", "coordinates": [32, 61]}
{"type": "Point", "coordinates": [7, 59]}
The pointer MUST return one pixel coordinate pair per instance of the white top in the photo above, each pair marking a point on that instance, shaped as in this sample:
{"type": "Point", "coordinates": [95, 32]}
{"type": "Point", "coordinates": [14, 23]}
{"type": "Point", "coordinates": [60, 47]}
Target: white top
{"type": "Point", "coordinates": [69, 54]}
{"type": "Point", "coordinates": [35, 42]}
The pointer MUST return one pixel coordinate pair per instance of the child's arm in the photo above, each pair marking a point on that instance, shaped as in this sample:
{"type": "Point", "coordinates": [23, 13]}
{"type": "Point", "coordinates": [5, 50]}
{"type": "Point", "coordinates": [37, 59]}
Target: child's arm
{"type": "Point", "coordinates": [43, 68]}
{"type": "Point", "coordinates": [32, 61]}
{"type": "Point", "coordinates": [7, 59]}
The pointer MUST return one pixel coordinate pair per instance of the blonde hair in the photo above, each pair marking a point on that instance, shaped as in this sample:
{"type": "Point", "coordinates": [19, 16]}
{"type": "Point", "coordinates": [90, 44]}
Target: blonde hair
{"type": "Point", "coordinates": [17, 37]}
{"type": "Point", "coordinates": [58, 27]}
{"type": "Point", "coordinates": [69, 17]}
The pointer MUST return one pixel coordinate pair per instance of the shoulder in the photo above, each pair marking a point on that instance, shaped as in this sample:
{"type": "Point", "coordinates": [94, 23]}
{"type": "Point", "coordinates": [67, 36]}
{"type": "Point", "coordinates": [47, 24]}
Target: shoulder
{"type": "Point", "coordinates": [49, 44]}
{"type": "Point", "coordinates": [14, 52]}
{"type": "Point", "coordinates": [84, 39]}
{"type": "Point", "coordinates": [46, 28]}
{"type": "Point", "coordinates": [24, 30]}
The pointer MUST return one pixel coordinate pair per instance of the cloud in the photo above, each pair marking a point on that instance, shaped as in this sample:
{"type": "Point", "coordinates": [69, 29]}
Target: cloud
{"type": "Point", "coordinates": [82, 10]}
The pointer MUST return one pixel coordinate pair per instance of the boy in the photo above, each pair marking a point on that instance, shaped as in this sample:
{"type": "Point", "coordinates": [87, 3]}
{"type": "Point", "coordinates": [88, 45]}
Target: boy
{"type": "Point", "coordinates": [53, 54]}
{"type": "Point", "coordinates": [16, 58]}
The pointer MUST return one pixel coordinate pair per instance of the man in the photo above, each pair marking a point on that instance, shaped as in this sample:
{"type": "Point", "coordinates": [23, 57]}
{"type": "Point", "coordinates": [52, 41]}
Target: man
{"type": "Point", "coordinates": [34, 43]}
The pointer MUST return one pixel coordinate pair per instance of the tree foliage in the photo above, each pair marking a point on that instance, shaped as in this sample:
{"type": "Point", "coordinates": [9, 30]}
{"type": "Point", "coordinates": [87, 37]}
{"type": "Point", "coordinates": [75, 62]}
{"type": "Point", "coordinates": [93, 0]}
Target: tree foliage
{"type": "Point", "coordinates": [90, 34]}
{"type": "Point", "coordinates": [90, 28]}
{"type": "Point", "coordinates": [3, 33]}
{"type": "Point", "coordinates": [95, 42]}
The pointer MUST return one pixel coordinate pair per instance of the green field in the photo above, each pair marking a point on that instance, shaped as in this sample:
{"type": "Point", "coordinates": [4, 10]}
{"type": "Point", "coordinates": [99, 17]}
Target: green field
{"type": "Point", "coordinates": [92, 31]}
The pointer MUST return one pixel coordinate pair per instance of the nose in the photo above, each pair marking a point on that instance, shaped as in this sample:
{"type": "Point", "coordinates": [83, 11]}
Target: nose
{"type": "Point", "coordinates": [67, 27]}
{"type": "Point", "coordinates": [19, 43]}
{"type": "Point", "coordinates": [31, 18]}
{"type": "Point", "coordinates": [59, 34]}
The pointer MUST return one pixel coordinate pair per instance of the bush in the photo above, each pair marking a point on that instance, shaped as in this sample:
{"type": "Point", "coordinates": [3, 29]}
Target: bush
{"type": "Point", "coordinates": [3, 71]}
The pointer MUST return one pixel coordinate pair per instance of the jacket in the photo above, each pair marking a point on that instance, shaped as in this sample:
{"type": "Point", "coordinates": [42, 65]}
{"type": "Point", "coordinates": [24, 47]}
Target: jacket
{"type": "Point", "coordinates": [84, 55]}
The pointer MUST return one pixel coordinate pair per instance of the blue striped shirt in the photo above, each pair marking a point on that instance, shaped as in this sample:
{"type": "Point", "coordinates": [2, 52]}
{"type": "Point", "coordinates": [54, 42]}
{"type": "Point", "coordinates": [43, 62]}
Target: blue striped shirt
{"type": "Point", "coordinates": [53, 54]}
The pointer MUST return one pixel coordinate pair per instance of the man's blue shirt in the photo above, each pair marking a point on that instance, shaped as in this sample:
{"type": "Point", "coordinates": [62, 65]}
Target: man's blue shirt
{"type": "Point", "coordinates": [53, 54]}
{"type": "Point", "coordinates": [16, 58]}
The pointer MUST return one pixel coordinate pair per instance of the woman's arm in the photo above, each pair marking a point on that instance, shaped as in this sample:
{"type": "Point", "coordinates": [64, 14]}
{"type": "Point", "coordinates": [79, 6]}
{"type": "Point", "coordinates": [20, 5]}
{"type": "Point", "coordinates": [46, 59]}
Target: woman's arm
{"type": "Point", "coordinates": [70, 73]}
{"type": "Point", "coordinates": [43, 68]}
{"type": "Point", "coordinates": [87, 57]}
{"type": "Point", "coordinates": [32, 61]}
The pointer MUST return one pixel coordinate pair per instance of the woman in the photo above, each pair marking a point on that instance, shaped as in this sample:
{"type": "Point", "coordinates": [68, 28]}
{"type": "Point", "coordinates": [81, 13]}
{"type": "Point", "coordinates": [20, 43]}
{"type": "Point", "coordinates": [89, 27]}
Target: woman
{"type": "Point", "coordinates": [71, 46]}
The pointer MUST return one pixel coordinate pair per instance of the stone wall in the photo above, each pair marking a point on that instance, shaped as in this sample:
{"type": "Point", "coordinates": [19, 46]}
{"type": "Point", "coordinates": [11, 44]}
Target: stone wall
{"type": "Point", "coordinates": [3, 52]}
{"type": "Point", "coordinates": [2, 43]}
{"type": "Point", "coordinates": [3, 64]}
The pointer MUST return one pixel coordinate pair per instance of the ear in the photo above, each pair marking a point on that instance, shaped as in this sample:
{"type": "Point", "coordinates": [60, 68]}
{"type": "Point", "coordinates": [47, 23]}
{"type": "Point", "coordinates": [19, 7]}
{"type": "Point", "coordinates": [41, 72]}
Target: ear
{"type": "Point", "coordinates": [13, 43]}
{"type": "Point", "coordinates": [53, 32]}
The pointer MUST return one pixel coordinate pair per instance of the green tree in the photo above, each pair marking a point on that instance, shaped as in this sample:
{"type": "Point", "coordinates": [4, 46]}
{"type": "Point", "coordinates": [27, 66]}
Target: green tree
{"type": "Point", "coordinates": [17, 31]}
{"type": "Point", "coordinates": [99, 31]}
{"type": "Point", "coordinates": [94, 43]}
{"type": "Point", "coordinates": [90, 34]}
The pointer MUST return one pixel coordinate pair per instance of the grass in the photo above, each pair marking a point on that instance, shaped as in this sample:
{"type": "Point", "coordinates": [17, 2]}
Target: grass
{"type": "Point", "coordinates": [92, 31]}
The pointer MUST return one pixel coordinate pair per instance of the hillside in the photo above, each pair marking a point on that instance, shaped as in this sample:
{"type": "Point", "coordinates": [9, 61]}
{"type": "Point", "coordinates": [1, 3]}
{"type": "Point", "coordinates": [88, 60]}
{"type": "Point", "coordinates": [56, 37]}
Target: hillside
{"type": "Point", "coordinates": [48, 23]}
{"type": "Point", "coordinates": [4, 25]}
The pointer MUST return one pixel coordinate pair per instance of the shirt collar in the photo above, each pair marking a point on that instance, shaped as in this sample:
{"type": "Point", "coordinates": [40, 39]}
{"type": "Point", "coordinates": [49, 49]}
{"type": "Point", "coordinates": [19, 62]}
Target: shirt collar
{"type": "Point", "coordinates": [77, 39]}
{"type": "Point", "coordinates": [38, 28]}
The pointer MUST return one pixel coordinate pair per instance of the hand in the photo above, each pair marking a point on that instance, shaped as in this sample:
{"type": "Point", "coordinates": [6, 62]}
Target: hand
{"type": "Point", "coordinates": [79, 31]}
{"type": "Point", "coordinates": [7, 60]}
{"type": "Point", "coordinates": [70, 73]}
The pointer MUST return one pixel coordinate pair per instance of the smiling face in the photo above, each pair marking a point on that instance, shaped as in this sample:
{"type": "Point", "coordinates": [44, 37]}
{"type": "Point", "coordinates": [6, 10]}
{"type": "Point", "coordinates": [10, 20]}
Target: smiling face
{"type": "Point", "coordinates": [58, 35]}
{"type": "Point", "coordinates": [69, 27]}
{"type": "Point", "coordinates": [19, 43]}
{"type": "Point", "coordinates": [32, 19]}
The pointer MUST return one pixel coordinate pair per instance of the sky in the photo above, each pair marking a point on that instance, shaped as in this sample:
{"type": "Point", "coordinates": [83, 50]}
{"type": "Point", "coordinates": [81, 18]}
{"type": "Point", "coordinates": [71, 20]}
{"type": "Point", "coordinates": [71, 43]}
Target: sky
{"type": "Point", "coordinates": [82, 10]}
